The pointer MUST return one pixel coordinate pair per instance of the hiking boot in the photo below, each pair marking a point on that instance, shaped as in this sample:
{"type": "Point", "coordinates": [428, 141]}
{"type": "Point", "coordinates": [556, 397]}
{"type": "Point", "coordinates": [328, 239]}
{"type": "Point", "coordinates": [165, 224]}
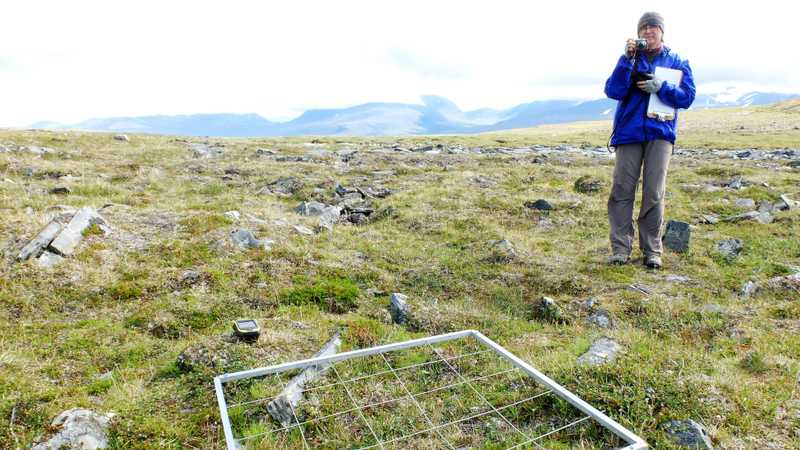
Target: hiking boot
{"type": "Point", "coordinates": [618, 259]}
{"type": "Point", "coordinates": [652, 262]}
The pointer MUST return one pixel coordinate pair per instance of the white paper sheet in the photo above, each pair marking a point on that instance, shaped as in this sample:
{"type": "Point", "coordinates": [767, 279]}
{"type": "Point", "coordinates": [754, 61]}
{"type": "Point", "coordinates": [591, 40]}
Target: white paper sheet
{"type": "Point", "coordinates": [656, 108]}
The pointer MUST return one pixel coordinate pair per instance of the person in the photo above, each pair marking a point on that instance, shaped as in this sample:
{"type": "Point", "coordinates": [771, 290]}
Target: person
{"type": "Point", "coordinates": [643, 144]}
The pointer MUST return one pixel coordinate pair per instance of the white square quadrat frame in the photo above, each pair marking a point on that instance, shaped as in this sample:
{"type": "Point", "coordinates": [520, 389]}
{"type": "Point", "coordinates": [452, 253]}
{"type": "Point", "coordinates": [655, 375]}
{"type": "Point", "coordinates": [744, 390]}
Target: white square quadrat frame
{"type": "Point", "coordinates": [634, 442]}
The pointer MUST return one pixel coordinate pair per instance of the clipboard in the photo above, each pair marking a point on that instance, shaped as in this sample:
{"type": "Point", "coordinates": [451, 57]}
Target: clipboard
{"type": "Point", "coordinates": [656, 109]}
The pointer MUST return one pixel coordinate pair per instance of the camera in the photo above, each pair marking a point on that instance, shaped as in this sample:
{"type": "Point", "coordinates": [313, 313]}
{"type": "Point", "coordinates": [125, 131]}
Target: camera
{"type": "Point", "coordinates": [641, 44]}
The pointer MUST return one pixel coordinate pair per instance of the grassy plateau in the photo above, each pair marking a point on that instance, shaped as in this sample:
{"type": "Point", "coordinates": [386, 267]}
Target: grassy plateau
{"type": "Point", "coordinates": [103, 329]}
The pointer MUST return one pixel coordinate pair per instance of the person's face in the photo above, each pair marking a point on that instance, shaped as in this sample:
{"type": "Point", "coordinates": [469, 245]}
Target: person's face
{"type": "Point", "coordinates": [653, 35]}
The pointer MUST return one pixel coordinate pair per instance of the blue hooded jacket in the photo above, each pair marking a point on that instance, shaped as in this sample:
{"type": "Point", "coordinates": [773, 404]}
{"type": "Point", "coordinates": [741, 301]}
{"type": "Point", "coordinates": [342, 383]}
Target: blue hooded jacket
{"type": "Point", "coordinates": [631, 123]}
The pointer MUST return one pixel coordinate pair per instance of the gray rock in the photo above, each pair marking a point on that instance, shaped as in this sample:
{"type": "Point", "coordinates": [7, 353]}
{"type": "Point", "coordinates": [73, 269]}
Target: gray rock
{"type": "Point", "coordinates": [303, 230]}
{"type": "Point", "coordinates": [199, 356]}
{"type": "Point", "coordinates": [676, 237]}
{"type": "Point", "coordinates": [264, 152]}
{"type": "Point", "coordinates": [190, 278]}
{"type": "Point", "coordinates": [36, 246]}
{"type": "Point", "coordinates": [750, 215]}
{"type": "Point", "coordinates": [745, 203]}
{"type": "Point", "coordinates": [764, 217]}
{"type": "Point", "coordinates": [233, 215]}
{"type": "Point", "coordinates": [80, 429]}
{"type": "Point", "coordinates": [71, 235]}
{"type": "Point", "coordinates": [540, 205]}
{"type": "Point", "coordinates": [687, 433]}
{"type": "Point", "coordinates": [788, 283]}
{"type": "Point", "coordinates": [678, 278]}
{"type": "Point", "coordinates": [378, 191]}
{"type": "Point", "coordinates": [358, 219]}
{"type": "Point", "coordinates": [784, 204]}
{"type": "Point", "coordinates": [204, 150]}
{"type": "Point", "coordinates": [121, 138]}
{"type": "Point", "coordinates": [310, 208]}
{"type": "Point", "coordinates": [601, 318]}
{"type": "Point", "coordinates": [642, 289]}
{"type": "Point", "coordinates": [546, 309]}
{"type": "Point", "coordinates": [284, 187]}
{"type": "Point", "coordinates": [502, 251]}
{"type": "Point", "coordinates": [729, 248]}
{"type": "Point", "coordinates": [749, 289]}
{"type": "Point", "coordinates": [602, 351]}
{"type": "Point", "coordinates": [244, 238]}
{"type": "Point", "coordinates": [328, 218]}
{"type": "Point", "coordinates": [589, 304]}
{"type": "Point", "coordinates": [709, 218]}
{"type": "Point", "coordinates": [61, 190]}
{"type": "Point", "coordinates": [48, 259]}
{"type": "Point", "coordinates": [588, 185]}
{"type": "Point", "coordinates": [398, 308]}
{"type": "Point", "coordinates": [282, 407]}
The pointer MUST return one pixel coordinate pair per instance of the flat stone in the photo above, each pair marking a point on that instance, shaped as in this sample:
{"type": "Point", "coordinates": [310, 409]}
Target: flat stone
{"type": "Point", "coordinates": [246, 239]}
{"type": "Point", "coordinates": [676, 237]}
{"type": "Point", "coordinates": [71, 235]}
{"type": "Point", "coordinates": [233, 215]}
{"type": "Point", "coordinates": [81, 429]}
{"type": "Point", "coordinates": [764, 217]}
{"type": "Point", "coordinates": [750, 215]}
{"type": "Point", "coordinates": [678, 278]}
{"type": "Point", "coordinates": [687, 433]}
{"type": "Point", "coordinates": [284, 186]}
{"type": "Point", "coordinates": [41, 241]}
{"type": "Point", "coordinates": [310, 208]}
{"type": "Point", "coordinates": [282, 407]}
{"type": "Point", "coordinates": [303, 230]}
{"type": "Point", "coordinates": [203, 150]}
{"type": "Point", "coordinates": [48, 259]}
{"type": "Point", "coordinates": [709, 218]}
{"type": "Point", "coordinates": [61, 190]}
{"type": "Point", "coordinates": [603, 350]}
{"type": "Point", "coordinates": [601, 318]}
{"type": "Point", "coordinates": [398, 308]}
{"type": "Point", "coordinates": [745, 203]}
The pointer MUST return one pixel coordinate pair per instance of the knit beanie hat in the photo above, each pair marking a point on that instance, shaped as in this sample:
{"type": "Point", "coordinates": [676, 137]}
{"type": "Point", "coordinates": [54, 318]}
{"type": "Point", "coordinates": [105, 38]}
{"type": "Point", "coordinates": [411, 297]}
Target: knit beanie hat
{"type": "Point", "coordinates": [651, 18]}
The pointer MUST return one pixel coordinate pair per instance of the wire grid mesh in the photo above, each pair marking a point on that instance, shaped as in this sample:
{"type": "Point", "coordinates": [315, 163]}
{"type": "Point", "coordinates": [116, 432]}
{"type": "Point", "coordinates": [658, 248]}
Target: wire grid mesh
{"type": "Point", "coordinates": [453, 394]}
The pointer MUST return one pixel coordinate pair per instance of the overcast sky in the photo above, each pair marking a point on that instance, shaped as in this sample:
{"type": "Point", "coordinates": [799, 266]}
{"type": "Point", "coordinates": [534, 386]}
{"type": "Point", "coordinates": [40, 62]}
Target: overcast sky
{"type": "Point", "coordinates": [68, 61]}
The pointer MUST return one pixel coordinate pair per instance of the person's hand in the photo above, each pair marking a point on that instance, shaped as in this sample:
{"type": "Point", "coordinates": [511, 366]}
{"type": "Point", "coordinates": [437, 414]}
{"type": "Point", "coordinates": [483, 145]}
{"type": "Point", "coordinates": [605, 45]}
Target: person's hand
{"type": "Point", "coordinates": [650, 86]}
{"type": "Point", "coordinates": [630, 48]}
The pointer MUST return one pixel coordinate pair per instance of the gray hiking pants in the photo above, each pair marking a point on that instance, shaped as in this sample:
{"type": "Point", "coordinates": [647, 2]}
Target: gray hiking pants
{"type": "Point", "coordinates": [629, 160]}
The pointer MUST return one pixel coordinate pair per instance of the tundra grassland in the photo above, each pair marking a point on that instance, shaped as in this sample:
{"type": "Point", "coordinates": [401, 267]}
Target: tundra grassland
{"type": "Point", "coordinates": [103, 329]}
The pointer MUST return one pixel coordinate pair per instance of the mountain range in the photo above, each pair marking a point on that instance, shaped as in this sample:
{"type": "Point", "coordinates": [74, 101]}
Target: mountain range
{"type": "Point", "coordinates": [436, 115]}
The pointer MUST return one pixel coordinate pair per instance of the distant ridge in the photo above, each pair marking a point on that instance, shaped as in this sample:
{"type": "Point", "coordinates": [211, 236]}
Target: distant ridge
{"type": "Point", "coordinates": [436, 115]}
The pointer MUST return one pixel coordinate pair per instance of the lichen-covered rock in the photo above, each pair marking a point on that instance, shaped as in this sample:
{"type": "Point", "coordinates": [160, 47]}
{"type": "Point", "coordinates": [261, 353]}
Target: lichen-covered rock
{"type": "Point", "coordinates": [687, 433]}
{"type": "Point", "coordinates": [603, 350]}
{"type": "Point", "coordinates": [398, 308]}
{"type": "Point", "coordinates": [79, 429]}
{"type": "Point", "coordinates": [588, 185]}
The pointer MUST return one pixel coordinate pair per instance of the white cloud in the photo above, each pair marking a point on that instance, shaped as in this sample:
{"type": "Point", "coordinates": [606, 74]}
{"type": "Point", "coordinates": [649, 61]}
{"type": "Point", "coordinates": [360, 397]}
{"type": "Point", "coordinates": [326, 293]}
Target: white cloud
{"type": "Point", "coordinates": [68, 61]}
